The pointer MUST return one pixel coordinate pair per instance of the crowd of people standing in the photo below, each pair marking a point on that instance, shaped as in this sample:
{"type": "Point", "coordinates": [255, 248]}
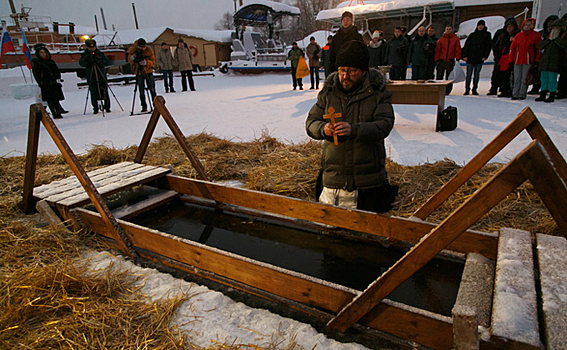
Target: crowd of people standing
{"type": "Point", "coordinates": [522, 56]}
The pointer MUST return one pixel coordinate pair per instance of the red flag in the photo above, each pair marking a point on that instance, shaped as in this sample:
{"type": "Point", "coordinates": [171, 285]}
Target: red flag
{"type": "Point", "coordinates": [26, 50]}
{"type": "Point", "coordinates": [7, 45]}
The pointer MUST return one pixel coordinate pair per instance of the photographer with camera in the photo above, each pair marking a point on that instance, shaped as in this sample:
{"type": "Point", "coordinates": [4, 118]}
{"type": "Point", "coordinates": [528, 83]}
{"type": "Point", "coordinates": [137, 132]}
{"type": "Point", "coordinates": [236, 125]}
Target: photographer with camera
{"type": "Point", "coordinates": [142, 59]}
{"type": "Point", "coordinates": [95, 63]}
{"type": "Point", "coordinates": [48, 77]}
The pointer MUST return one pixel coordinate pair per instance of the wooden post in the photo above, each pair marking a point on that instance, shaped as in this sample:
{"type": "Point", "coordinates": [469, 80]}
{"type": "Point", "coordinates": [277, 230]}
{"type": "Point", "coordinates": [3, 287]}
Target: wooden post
{"type": "Point", "coordinates": [31, 157]}
{"type": "Point", "coordinates": [332, 115]}
{"type": "Point", "coordinates": [484, 199]}
{"type": "Point", "coordinates": [526, 120]}
{"type": "Point", "coordinates": [143, 147]}
{"type": "Point", "coordinates": [120, 236]}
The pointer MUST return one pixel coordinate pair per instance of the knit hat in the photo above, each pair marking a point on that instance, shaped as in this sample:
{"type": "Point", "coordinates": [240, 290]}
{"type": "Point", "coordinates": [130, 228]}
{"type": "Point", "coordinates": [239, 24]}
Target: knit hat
{"type": "Point", "coordinates": [347, 14]}
{"type": "Point", "coordinates": [376, 34]}
{"type": "Point", "coordinates": [141, 42]}
{"type": "Point", "coordinates": [481, 22]}
{"type": "Point", "coordinates": [353, 54]}
{"type": "Point", "coordinates": [180, 40]}
{"type": "Point", "coordinates": [90, 43]}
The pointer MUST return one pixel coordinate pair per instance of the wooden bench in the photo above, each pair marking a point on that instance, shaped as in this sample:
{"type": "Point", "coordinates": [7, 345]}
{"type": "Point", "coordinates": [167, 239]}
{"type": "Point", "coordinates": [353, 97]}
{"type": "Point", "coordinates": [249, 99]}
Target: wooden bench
{"type": "Point", "coordinates": [410, 92]}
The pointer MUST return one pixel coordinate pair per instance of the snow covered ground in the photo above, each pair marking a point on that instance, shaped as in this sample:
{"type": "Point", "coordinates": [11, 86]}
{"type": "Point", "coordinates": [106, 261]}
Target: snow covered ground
{"type": "Point", "coordinates": [241, 107]}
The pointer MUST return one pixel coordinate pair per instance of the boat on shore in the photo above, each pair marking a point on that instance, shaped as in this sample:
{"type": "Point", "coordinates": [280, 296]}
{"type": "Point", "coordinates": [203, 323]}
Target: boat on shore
{"type": "Point", "coordinates": [62, 40]}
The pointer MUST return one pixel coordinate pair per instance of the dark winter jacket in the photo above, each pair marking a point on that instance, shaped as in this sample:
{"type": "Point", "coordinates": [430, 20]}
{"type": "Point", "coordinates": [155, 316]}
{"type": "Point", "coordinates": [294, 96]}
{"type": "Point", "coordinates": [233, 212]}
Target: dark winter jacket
{"type": "Point", "coordinates": [293, 55]}
{"type": "Point", "coordinates": [524, 48]}
{"type": "Point", "coordinates": [448, 48]}
{"type": "Point", "coordinates": [398, 51]}
{"type": "Point", "coordinates": [90, 59]}
{"type": "Point", "coordinates": [343, 36]}
{"type": "Point", "coordinates": [46, 74]}
{"type": "Point", "coordinates": [358, 162]}
{"type": "Point", "coordinates": [502, 46]}
{"type": "Point", "coordinates": [430, 48]}
{"type": "Point", "coordinates": [377, 52]}
{"type": "Point", "coordinates": [326, 59]}
{"type": "Point", "coordinates": [553, 51]}
{"type": "Point", "coordinates": [477, 46]}
{"type": "Point", "coordinates": [417, 55]}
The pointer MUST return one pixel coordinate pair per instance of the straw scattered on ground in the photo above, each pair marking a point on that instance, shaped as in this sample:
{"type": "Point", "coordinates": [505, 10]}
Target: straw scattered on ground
{"type": "Point", "coordinates": [47, 302]}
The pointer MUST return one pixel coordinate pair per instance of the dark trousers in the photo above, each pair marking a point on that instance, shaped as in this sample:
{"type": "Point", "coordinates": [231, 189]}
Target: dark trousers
{"type": "Point", "coordinates": [168, 79]}
{"type": "Point", "coordinates": [473, 69]}
{"type": "Point", "coordinates": [430, 70]}
{"type": "Point", "coordinates": [314, 74]}
{"type": "Point", "coordinates": [187, 75]}
{"type": "Point", "coordinates": [398, 73]}
{"type": "Point", "coordinates": [146, 81]}
{"type": "Point", "coordinates": [296, 81]}
{"type": "Point", "coordinates": [493, 83]}
{"type": "Point", "coordinates": [99, 92]}
{"type": "Point", "coordinates": [444, 68]}
{"type": "Point", "coordinates": [418, 72]}
{"type": "Point", "coordinates": [502, 81]}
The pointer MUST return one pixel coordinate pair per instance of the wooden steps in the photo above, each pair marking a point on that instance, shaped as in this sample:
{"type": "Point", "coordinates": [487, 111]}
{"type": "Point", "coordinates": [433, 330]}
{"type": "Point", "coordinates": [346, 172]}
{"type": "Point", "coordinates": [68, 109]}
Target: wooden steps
{"type": "Point", "coordinates": [118, 177]}
{"type": "Point", "coordinates": [514, 313]}
{"type": "Point", "coordinates": [552, 261]}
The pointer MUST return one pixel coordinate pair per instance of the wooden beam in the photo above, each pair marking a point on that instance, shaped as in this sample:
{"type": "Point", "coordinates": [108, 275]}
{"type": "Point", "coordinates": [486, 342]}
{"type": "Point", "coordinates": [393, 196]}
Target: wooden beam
{"type": "Point", "coordinates": [147, 138]}
{"type": "Point", "coordinates": [404, 321]}
{"type": "Point", "coordinates": [537, 132]}
{"type": "Point", "coordinates": [548, 184]}
{"type": "Point", "coordinates": [31, 158]}
{"type": "Point", "coordinates": [159, 103]}
{"type": "Point", "coordinates": [484, 199]}
{"type": "Point", "coordinates": [99, 203]}
{"type": "Point", "coordinates": [394, 228]}
{"type": "Point", "coordinates": [521, 122]}
{"type": "Point", "coordinates": [145, 205]}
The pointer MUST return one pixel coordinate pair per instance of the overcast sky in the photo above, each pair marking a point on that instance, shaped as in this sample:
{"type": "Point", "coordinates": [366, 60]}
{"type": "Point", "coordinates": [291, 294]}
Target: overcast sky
{"type": "Point", "coordinates": [186, 14]}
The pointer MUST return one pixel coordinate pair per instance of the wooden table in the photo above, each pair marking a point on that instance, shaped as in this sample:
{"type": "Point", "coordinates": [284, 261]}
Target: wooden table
{"type": "Point", "coordinates": [410, 92]}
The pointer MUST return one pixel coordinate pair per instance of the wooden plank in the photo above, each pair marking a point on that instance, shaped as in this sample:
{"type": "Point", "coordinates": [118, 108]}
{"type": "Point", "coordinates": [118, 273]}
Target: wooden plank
{"type": "Point", "coordinates": [145, 205]}
{"type": "Point", "coordinates": [31, 158]}
{"type": "Point", "coordinates": [523, 120]}
{"type": "Point", "coordinates": [537, 132]}
{"type": "Point", "coordinates": [119, 235]}
{"type": "Point", "coordinates": [115, 186]}
{"type": "Point", "coordinates": [550, 187]}
{"type": "Point", "coordinates": [496, 189]}
{"type": "Point", "coordinates": [403, 321]}
{"type": "Point", "coordinates": [552, 263]}
{"type": "Point", "coordinates": [515, 306]}
{"type": "Point", "coordinates": [71, 186]}
{"type": "Point", "coordinates": [395, 228]}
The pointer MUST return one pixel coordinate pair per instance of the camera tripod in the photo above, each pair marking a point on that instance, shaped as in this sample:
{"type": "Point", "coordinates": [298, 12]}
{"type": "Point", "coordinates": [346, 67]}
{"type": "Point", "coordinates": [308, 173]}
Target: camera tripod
{"type": "Point", "coordinates": [102, 90]}
{"type": "Point", "coordinates": [149, 89]}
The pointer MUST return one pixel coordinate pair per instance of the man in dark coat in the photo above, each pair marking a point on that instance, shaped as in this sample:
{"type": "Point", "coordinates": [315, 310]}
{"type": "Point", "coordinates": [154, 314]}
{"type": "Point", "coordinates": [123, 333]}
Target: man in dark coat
{"type": "Point", "coordinates": [326, 56]}
{"type": "Point", "coordinates": [430, 49]}
{"type": "Point", "coordinates": [353, 171]}
{"type": "Point", "coordinates": [397, 55]}
{"type": "Point", "coordinates": [417, 55]}
{"type": "Point", "coordinates": [48, 77]}
{"type": "Point", "coordinates": [347, 32]}
{"type": "Point", "coordinates": [95, 63]}
{"type": "Point", "coordinates": [476, 50]}
{"type": "Point", "coordinates": [503, 68]}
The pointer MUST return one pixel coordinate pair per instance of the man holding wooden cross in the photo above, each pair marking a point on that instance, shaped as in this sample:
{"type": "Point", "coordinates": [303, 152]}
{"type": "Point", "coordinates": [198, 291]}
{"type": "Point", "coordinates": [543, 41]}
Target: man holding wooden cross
{"type": "Point", "coordinates": [353, 114]}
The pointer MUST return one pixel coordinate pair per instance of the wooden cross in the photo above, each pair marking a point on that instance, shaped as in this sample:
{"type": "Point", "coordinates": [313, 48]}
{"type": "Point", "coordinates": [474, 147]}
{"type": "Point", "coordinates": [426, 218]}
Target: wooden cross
{"type": "Point", "coordinates": [332, 115]}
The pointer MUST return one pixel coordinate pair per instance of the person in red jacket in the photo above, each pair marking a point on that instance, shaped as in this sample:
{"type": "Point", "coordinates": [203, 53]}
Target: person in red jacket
{"type": "Point", "coordinates": [448, 50]}
{"type": "Point", "coordinates": [524, 53]}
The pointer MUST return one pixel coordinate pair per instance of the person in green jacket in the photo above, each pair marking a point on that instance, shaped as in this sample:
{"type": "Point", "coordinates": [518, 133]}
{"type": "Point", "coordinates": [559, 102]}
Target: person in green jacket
{"type": "Point", "coordinates": [294, 55]}
{"type": "Point", "coordinates": [95, 63]}
{"type": "Point", "coordinates": [353, 171]}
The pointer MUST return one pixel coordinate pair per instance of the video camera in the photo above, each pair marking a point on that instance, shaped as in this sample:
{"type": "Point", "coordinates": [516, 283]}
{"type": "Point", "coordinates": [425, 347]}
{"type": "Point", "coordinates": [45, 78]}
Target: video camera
{"type": "Point", "coordinates": [138, 56]}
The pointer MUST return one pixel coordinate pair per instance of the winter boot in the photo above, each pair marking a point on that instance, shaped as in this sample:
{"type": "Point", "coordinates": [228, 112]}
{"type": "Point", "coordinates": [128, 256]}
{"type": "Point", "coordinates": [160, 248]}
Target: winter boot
{"type": "Point", "coordinates": [551, 97]}
{"type": "Point", "coordinates": [541, 96]}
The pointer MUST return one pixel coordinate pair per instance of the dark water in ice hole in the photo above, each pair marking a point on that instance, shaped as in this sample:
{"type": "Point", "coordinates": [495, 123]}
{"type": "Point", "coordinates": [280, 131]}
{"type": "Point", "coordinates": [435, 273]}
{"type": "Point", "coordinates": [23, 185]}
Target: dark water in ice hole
{"type": "Point", "coordinates": [345, 262]}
